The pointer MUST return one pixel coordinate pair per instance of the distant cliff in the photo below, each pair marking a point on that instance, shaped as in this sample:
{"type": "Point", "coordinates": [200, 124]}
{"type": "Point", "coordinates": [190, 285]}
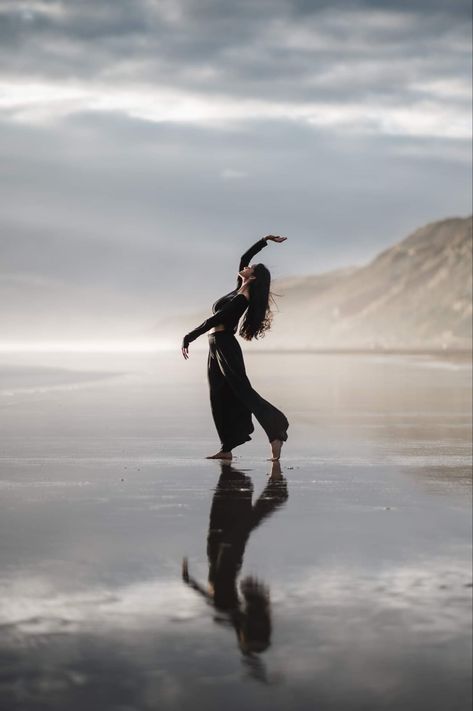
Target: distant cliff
{"type": "Point", "coordinates": [414, 295]}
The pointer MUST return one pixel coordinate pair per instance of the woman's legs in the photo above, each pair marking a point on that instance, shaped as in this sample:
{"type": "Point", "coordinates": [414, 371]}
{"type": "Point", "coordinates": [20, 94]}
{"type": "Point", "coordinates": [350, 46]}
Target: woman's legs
{"type": "Point", "coordinates": [231, 416]}
{"type": "Point", "coordinates": [229, 357]}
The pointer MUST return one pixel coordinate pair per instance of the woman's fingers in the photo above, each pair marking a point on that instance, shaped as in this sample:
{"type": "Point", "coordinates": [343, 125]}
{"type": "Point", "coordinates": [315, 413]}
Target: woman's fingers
{"type": "Point", "coordinates": [185, 353]}
{"type": "Point", "coordinates": [276, 238]}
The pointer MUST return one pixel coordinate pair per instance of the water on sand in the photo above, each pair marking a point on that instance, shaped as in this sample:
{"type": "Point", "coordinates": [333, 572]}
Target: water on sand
{"type": "Point", "coordinates": [136, 574]}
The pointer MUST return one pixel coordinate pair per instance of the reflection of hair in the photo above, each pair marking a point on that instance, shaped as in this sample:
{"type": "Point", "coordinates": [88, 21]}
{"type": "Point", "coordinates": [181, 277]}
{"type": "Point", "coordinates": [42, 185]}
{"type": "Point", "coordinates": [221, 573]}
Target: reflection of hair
{"type": "Point", "coordinates": [258, 316]}
{"type": "Point", "coordinates": [254, 630]}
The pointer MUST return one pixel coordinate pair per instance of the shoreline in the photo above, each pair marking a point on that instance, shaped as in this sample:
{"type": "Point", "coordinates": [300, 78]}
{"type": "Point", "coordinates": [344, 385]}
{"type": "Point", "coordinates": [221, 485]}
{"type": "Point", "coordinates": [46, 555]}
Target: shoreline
{"type": "Point", "coordinates": [466, 353]}
{"type": "Point", "coordinates": [463, 352]}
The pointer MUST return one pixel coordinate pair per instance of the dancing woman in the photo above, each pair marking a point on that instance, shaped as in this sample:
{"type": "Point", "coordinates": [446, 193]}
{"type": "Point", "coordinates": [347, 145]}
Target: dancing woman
{"type": "Point", "coordinates": [232, 398]}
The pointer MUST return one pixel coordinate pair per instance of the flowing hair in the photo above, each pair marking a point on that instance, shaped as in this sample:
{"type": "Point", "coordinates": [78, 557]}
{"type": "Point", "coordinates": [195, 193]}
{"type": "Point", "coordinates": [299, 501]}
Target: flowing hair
{"type": "Point", "coordinates": [258, 316]}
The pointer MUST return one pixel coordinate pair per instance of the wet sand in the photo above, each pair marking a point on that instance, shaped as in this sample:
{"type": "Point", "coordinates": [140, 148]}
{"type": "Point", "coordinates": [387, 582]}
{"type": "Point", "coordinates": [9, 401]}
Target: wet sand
{"type": "Point", "coordinates": [341, 580]}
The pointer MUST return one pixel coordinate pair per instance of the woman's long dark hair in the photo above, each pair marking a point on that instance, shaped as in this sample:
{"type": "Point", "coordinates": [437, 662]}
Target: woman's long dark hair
{"type": "Point", "coordinates": [258, 316]}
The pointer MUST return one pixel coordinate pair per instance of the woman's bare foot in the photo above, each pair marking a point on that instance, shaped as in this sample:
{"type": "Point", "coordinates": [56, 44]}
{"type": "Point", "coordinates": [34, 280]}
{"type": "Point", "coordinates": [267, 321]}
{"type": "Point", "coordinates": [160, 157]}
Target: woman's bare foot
{"type": "Point", "coordinates": [276, 446]}
{"type": "Point", "coordinates": [220, 455]}
{"type": "Point", "coordinates": [275, 474]}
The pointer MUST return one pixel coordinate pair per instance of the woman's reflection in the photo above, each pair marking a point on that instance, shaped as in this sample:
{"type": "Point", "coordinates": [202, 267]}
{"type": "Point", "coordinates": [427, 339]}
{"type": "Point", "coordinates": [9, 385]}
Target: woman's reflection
{"type": "Point", "coordinates": [233, 517]}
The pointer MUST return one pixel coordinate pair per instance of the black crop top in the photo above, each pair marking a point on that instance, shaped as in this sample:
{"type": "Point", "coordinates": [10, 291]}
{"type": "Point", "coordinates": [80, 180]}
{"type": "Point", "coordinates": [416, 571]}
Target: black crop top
{"type": "Point", "coordinates": [229, 308]}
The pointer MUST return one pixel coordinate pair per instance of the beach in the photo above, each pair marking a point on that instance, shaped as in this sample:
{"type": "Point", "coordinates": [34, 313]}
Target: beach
{"type": "Point", "coordinates": [363, 552]}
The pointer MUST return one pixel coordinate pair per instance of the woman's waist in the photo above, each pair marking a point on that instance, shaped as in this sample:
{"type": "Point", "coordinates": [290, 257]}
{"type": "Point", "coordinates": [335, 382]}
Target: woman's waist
{"type": "Point", "coordinates": [222, 328]}
{"type": "Point", "coordinates": [218, 331]}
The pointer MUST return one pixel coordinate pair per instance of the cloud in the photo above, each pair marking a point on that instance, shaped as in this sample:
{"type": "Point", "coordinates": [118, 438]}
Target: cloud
{"type": "Point", "coordinates": [141, 141]}
{"type": "Point", "coordinates": [343, 65]}
{"type": "Point", "coordinates": [28, 103]}
{"type": "Point", "coordinates": [232, 174]}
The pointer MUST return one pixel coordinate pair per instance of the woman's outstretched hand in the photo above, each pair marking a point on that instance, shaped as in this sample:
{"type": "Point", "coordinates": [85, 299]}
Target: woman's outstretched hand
{"type": "Point", "coordinates": [274, 238]}
{"type": "Point", "coordinates": [185, 352]}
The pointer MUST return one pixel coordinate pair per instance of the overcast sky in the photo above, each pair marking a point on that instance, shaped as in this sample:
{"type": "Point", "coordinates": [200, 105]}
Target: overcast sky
{"type": "Point", "coordinates": [145, 144]}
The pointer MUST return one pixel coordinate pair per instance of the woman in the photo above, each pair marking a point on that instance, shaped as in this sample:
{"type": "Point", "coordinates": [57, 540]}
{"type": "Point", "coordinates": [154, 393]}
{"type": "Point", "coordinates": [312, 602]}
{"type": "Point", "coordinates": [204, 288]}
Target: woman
{"type": "Point", "coordinates": [232, 398]}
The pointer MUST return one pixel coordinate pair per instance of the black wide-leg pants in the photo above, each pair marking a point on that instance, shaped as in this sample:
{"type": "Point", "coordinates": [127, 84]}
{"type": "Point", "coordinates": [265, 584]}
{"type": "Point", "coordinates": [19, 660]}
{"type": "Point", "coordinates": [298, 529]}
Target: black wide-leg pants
{"type": "Point", "coordinates": [233, 400]}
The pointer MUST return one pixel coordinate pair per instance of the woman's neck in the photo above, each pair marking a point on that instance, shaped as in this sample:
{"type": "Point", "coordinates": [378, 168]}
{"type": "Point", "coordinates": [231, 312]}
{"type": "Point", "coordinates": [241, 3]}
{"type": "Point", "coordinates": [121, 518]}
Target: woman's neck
{"type": "Point", "coordinates": [245, 289]}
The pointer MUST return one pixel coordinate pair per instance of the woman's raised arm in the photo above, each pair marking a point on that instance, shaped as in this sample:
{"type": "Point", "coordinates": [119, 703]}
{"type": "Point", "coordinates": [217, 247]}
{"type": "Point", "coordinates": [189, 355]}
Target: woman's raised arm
{"type": "Point", "coordinates": [254, 249]}
{"type": "Point", "coordinates": [245, 258]}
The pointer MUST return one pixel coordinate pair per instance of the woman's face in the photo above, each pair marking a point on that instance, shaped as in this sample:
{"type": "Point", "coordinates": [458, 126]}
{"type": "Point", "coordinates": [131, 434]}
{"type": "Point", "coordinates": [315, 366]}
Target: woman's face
{"type": "Point", "coordinates": [246, 272]}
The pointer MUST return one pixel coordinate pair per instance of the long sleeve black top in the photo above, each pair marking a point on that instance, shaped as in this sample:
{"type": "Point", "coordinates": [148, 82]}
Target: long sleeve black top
{"type": "Point", "coordinates": [228, 309]}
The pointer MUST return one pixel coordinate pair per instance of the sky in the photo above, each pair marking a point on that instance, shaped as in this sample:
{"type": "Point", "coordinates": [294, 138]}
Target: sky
{"type": "Point", "coordinates": [145, 144]}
